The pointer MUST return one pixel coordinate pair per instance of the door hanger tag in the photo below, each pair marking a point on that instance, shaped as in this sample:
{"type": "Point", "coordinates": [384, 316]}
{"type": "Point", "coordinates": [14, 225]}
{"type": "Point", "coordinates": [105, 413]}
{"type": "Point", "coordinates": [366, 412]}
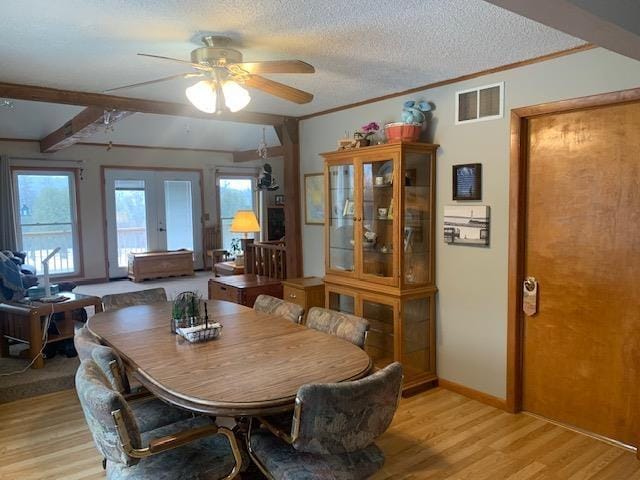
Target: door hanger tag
{"type": "Point", "coordinates": [530, 296]}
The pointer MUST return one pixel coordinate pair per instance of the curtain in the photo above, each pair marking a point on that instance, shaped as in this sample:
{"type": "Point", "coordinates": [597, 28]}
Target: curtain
{"type": "Point", "coordinates": [8, 239]}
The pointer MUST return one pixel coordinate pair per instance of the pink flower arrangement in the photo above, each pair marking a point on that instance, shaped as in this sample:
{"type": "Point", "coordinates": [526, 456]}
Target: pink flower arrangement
{"type": "Point", "coordinates": [368, 130]}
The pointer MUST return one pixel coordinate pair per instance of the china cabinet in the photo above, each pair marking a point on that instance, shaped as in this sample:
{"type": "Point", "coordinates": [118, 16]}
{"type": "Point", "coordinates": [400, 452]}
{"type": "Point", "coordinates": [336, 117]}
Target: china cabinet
{"type": "Point", "coordinates": [379, 259]}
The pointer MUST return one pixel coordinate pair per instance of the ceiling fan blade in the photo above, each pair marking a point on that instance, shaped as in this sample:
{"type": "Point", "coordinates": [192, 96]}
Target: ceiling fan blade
{"type": "Point", "coordinates": [275, 66]}
{"type": "Point", "coordinates": [206, 68]}
{"type": "Point", "coordinates": [278, 89]}
{"type": "Point", "coordinates": [164, 79]}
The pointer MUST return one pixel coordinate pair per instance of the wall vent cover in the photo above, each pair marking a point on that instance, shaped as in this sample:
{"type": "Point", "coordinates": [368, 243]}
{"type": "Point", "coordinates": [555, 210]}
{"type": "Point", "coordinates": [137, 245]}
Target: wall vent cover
{"type": "Point", "coordinates": [480, 103]}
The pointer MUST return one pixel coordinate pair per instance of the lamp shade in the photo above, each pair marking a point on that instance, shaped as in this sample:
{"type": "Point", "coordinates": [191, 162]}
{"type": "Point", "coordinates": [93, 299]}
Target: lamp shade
{"type": "Point", "coordinates": [245, 221]}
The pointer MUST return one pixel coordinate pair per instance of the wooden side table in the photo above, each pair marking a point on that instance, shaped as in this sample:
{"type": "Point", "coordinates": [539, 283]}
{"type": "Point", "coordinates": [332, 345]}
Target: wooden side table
{"type": "Point", "coordinates": [243, 289]}
{"type": "Point", "coordinates": [307, 292]}
{"type": "Point", "coordinates": [25, 322]}
{"type": "Point", "coordinates": [224, 269]}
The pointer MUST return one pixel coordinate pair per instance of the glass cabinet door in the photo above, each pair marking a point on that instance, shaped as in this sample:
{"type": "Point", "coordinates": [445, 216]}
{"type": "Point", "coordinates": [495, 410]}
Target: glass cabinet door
{"type": "Point", "coordinates": [341, 301]}
{"type": "Point", "coordinates": [380, 343]}
{"type": "Point", "coordinates": [378, 220]}
{"type": "Point", "coordinates": [416, 243]}
{"type": "Point", "coordinates": [341, 218]}
{"type": "Point", "coordinates": [417, 357]}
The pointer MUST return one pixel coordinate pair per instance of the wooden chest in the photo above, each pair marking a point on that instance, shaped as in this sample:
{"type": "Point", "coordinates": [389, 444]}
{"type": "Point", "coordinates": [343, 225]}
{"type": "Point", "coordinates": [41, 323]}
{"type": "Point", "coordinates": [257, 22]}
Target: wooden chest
{"type": "Point", "coordinates": [307, 292]}
{"type": "Point", "coordinates": [243, 289]}
{"type": "Point", "coordinates": [143, 266]}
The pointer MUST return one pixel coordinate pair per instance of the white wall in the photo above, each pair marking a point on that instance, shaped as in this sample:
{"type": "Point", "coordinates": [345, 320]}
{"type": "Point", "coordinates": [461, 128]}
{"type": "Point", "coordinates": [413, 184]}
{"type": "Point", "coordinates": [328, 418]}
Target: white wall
{"type": "Point", "coordinates": [472, 282]}
{"type": "Point", "coordinates": [89, 196]}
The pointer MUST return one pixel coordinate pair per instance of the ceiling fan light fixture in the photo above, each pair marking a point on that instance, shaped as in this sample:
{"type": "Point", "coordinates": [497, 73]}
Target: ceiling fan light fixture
{"type": "Point", "coordinates": [235, 96]}
{"type": "Point", "coordinates": [203, 96]}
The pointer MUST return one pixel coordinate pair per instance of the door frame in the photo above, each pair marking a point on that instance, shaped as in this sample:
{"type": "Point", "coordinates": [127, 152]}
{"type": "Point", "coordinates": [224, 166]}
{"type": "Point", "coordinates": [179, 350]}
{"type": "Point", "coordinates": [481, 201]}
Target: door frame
{"type": "Point", "coordinates": [103, 193]}
{"type": "Point", "coordinates": [517, 221]}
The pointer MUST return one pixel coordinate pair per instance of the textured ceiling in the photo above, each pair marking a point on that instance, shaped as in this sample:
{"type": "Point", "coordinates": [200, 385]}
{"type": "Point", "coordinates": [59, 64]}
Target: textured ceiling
{"type": "Point", "coordinates": [361, 49]}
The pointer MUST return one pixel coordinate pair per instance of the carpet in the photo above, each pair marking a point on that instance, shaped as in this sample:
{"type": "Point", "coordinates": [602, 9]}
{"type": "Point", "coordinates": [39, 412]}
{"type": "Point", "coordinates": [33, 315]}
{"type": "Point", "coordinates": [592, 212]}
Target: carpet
{"type": "Point", "coordinates": [58, 374]}
{"type": "Point", "coordinates": [59, 371]}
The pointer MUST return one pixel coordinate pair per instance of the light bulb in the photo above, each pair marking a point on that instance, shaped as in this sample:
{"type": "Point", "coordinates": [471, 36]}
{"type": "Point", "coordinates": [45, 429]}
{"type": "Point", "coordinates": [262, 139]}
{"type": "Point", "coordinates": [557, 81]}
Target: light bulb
{"type": "Point", "coordinates": [203, 96]}
{"type": "Point", "coordinates": [236, 97]}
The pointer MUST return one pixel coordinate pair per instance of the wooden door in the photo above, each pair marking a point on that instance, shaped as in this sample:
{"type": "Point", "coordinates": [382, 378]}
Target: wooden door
{"type": "Point", "coordinates": [581, 359]}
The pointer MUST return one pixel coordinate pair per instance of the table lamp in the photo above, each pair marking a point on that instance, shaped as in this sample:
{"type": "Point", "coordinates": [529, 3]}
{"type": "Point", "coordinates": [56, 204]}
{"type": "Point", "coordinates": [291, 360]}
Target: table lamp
{"type": "Point", "coordinates": [244, 221]}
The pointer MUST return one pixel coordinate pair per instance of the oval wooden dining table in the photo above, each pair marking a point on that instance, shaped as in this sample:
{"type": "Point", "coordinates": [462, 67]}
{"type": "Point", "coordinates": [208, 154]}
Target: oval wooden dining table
{"type": "Point", "coordinates": [255, 367]}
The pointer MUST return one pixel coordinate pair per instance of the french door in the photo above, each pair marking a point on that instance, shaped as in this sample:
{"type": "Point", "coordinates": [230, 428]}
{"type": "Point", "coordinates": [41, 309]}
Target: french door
{"type": "Point", "coordinates": [151, 211]}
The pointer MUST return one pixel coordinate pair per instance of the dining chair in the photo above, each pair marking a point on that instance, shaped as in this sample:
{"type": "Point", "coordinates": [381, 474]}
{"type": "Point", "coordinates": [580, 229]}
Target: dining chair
{"type": "Point", "coordinates": [150, 412]}
{"type": "Point", "coordinates": [188, 449]}
{"type": "Point", "coordinates": [275, 306]}
{"type": "Point", "coordinates": [332, 431]}
{"type": "Point", "coordinates": [343, 325]}
{"type": "Point", "coordinates": [129, 299]}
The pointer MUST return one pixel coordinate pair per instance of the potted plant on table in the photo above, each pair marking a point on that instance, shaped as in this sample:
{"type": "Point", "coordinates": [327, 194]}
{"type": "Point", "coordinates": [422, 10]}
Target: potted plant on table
{"type": "Point", "coordinates": [236, 250]}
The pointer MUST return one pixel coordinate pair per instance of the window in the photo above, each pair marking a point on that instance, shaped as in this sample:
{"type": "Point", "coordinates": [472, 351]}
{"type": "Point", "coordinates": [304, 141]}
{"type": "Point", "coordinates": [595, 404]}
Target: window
{"type": "Point", "coordinates": [234, 193]}
{"type": "Point", "coordinates": [46, 218]}
{"type": "Point", "coordinates": [481, 103]}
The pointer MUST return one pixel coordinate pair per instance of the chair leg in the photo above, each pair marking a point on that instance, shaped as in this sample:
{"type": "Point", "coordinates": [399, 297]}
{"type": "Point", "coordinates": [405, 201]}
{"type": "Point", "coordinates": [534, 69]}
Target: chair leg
{"type": "Point", "coordinates": [253, 456]}
{"type": "Point", "coordinates": [237, 455]}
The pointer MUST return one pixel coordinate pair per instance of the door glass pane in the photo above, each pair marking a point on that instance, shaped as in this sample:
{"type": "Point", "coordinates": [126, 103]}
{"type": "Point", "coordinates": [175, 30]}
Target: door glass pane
{"type": "Point", "coordinates": [416, 353]}
{"type": "Point", "coordinates": [380, 337]}
{"type": "Point", "coordinates": [46, 219]}
{"type": "Point", "coordinates": [235, 194]}
{"type": "Point", "coordinates": [131, 218]}
{"type": "Point", "coordinates": [179, 214]}
{"type": "Point", "coordinates": [417, 219]}
{"type": "Point", "coordinates": [342, 303]}
{"type": "Point", "coordinates": [377, 218]}
{"type": "Point", "coordinates": [341, 217]}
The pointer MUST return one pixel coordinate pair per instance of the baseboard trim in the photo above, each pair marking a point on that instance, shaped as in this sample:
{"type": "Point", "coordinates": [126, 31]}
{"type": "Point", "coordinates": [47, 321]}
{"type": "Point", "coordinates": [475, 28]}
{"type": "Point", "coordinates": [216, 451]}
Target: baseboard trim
{"type": "Point", "coordinates": [485, 398]}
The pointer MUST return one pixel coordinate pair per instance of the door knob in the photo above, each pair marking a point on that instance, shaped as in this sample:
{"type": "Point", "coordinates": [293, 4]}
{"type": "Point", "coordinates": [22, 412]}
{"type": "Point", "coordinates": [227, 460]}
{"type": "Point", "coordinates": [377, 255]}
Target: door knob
{"type": "Point", "coordinates": [162, 229]}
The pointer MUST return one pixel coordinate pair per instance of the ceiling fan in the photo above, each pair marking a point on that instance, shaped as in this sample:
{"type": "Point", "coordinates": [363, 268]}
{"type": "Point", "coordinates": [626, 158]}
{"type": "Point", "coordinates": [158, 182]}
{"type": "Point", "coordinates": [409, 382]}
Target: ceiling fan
{"type": "Point", "coordinates": [224, 76]}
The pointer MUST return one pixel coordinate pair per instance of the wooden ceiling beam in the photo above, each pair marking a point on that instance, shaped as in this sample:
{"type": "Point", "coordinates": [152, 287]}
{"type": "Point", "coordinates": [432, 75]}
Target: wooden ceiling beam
{"type": "Point", "coordinates": [249, 155]}
{"type": "Point", "coordinates": [111, 102]}
{"type": "Point", "coordinates": [612, 24]}
{"type": "Point", "coordinates": [83, 125]}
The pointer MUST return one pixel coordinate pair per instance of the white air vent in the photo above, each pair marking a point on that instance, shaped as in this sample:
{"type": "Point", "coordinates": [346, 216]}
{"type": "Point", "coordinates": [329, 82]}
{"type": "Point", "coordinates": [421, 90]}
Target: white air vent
{"type": "Point", "coordinates": [481, 103]}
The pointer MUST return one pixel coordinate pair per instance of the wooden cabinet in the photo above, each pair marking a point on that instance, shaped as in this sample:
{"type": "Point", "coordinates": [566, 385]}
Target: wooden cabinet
{"type": "Point", "coordinates": [243, 289]}
{"type": "Point", "coordinates": [307, 292]}
{"type": "Point", "coordinates": [379, 237]}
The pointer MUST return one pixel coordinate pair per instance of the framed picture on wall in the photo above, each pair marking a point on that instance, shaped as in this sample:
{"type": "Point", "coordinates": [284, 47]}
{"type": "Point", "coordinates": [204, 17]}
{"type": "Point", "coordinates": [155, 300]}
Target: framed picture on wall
{"type": "Point", "coordinates": [467, 181]}
{"type": "Point", "coordinates": [467, 225]}
{"type": "Point", "coordinates": [314, 199]}
{"type": "Point", "coordinates": [279, 200]}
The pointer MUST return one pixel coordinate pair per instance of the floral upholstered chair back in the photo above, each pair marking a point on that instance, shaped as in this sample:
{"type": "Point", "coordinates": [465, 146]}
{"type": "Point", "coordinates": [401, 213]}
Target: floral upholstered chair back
{"type": "Point", "coordinates": [275, 306]}
{"type": "Point", "coordinates": [84, 341]}
{"type": "Point", "coordinates": [89, 348]}
{"type": "Point", "coordinates": [130, 299]}
{"type": "Point", "coordinates": [348, 327]}
{"type": "Point", "coordinates": [98, 400]}
{"type": "Point", "coordinates": [345, 417]}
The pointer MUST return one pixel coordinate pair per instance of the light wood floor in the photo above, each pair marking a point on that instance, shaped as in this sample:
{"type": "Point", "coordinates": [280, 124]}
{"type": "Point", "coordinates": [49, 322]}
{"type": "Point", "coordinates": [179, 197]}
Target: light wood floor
{"type": "Point", "coordinates": [435, 435]}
